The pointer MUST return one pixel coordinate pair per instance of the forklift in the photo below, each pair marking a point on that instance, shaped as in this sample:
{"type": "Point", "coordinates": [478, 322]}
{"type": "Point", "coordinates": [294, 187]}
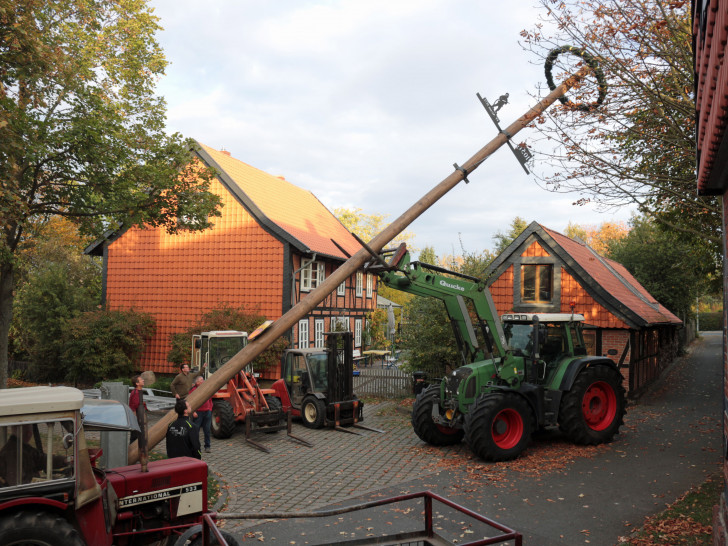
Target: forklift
{"type": "Point", "coordinates": [317, 384]}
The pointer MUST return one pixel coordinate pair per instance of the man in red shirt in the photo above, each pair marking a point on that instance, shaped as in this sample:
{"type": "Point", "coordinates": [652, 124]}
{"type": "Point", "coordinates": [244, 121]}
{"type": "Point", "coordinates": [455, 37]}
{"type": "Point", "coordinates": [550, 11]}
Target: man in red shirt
{"type": "Point", "coordinates": [138, 383]}
{"type": "Point", "coordinates": [202, 418]}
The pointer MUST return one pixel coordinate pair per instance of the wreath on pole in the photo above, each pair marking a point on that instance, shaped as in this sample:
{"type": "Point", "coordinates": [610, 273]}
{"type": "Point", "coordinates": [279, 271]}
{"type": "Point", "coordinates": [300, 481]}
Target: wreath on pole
{"type": "Point", "coordinates": [590, 61]}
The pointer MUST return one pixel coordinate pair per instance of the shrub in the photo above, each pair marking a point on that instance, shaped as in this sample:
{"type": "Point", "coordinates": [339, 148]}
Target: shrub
{"type": "Point", "coordinates": [104, 343]}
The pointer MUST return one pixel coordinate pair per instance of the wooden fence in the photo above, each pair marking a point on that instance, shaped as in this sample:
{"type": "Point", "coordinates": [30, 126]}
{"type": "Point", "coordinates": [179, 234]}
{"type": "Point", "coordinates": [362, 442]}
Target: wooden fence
{"type": "Point", "coordinates": [383, 383]}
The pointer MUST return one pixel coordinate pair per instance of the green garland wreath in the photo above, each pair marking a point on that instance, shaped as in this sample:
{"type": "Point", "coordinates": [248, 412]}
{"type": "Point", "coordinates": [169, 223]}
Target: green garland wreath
{"type": "Point", "coordinates": [590, 61]}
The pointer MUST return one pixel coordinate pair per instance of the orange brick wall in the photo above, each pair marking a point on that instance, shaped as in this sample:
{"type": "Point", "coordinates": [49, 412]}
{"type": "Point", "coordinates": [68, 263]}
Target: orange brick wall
{"type": "Point", "coordinates": [535, 250]}
{"type": "Point", "coordinates": [176, 278]}
{"type": "Point", "coordinates": [502, 291]}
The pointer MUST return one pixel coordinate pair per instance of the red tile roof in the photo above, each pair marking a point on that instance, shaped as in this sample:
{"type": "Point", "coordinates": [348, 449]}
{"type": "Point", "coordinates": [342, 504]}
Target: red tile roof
{"type": "Point", "coordinates": [296, 212]}
{"type": "Point", "coordinates": [616, 281]}
{"type": "Point", "coordinates": [710, 33]}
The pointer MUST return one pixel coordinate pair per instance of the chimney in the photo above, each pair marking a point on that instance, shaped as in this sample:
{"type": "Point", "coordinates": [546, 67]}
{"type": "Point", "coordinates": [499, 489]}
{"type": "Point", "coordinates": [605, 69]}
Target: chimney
{"type": "Point", "coordinates": [223, 150]}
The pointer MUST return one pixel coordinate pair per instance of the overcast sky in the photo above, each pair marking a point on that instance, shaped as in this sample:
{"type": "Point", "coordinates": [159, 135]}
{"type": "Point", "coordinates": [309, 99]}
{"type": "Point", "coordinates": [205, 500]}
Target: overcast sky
{"type": "Point", "coordinates": [367, 104]}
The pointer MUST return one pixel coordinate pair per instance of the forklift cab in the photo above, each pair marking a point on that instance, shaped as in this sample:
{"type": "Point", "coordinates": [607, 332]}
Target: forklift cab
{"type": "Point", "coordinates": [305, 371]}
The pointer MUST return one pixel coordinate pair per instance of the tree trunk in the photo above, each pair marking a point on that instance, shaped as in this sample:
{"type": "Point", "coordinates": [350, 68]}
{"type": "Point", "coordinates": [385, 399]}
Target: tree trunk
{"type": "Point", "coordinates": [7, 280]}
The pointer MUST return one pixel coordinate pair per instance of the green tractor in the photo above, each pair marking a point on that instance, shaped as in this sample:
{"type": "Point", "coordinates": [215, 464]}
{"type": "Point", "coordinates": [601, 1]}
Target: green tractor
{"type": "Point", "coordinates": [521, 373]}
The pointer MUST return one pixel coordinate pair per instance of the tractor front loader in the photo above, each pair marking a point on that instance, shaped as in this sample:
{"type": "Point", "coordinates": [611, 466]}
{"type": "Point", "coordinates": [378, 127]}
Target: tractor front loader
{"type": "Point", "coordinates": [241, 399]}
{"type": "Point", "coordinates": [520, 374]}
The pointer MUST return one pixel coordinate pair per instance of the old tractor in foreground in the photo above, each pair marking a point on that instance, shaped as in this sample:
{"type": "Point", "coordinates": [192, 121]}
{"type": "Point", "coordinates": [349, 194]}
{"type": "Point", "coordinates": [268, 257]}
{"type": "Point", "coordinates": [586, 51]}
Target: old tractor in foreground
{"type": "Point", "coordinates": [53, 493]}
{"type": "Point", "coordinates": [520, 374]}
{"type": "Point", "coordinates": [317, 384]}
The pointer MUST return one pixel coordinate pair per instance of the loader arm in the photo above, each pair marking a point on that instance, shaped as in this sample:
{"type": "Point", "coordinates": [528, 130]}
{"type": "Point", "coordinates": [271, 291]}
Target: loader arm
{"type": "Point", "coordinates": [455, 291]}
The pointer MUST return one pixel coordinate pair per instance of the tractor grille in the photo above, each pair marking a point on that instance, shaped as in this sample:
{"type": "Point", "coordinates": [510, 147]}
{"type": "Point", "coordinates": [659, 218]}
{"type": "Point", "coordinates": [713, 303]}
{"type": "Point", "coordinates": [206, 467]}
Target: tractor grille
{"type": "Point", "coordinates": [457, 378]}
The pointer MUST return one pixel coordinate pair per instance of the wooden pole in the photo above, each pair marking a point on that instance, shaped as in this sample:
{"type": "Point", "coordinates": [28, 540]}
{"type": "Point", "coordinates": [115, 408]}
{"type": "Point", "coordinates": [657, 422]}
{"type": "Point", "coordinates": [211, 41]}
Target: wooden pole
{"type": "Point", "coordinates": [351, 266]}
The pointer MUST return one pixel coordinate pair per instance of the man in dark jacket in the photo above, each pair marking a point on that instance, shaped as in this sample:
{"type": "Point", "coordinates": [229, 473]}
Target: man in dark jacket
{"type": "Point", "coordinates": [183, 437]}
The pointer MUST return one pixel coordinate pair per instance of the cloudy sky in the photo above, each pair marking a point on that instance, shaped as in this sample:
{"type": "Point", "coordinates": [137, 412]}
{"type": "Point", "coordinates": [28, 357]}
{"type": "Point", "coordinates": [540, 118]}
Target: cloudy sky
{"type": "Point", "coordinates": [366, 103]}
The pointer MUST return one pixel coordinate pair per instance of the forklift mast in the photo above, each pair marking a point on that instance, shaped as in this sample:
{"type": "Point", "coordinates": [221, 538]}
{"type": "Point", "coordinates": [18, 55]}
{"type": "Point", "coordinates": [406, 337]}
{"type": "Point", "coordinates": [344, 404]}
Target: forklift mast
{"type": "Point", "coordinates": [340, 366]}
{"type": "Point", "coordinates": [469, 304]}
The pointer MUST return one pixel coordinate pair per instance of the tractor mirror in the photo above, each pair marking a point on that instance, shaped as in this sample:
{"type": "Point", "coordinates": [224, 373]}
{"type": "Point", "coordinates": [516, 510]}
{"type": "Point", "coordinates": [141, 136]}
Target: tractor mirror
{"type": "Point", "coordinates": [67, 441]}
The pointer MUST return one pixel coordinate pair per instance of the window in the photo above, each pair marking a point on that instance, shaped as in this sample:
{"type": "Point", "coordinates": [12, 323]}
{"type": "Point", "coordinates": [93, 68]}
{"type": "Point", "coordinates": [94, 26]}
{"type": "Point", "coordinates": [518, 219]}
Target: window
{"type": "Point", "coordinates": [312, 275]}
{"type": "Point", "coordinates": [370, 285]}
{"type": "Point", "coordinates": [341, 290]}
{"type": "Point", "coordinates": [36, 453]}
{"type": "Point", "coordinates": [359, 284]}
{"type": "Point", "coordinates": [303, 334]}
{"type": "Point", "coordinates": [357, 332]}
{"type": "Point", "coordinates": [537, 283]}
{"type": "Point", "coordinates": [339, 324]}
{"type": "Point", "coordinates": [318, 333]}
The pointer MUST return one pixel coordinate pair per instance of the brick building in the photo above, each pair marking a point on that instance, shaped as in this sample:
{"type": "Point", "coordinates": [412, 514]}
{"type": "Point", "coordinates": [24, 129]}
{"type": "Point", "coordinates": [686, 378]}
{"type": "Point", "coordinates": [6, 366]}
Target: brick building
{"type": "Point", "coordinates": [710, 35]}
{"type": "Point", "coordinates": [543, 271]}
{"type": "Point", "coordinates": [273, 244]}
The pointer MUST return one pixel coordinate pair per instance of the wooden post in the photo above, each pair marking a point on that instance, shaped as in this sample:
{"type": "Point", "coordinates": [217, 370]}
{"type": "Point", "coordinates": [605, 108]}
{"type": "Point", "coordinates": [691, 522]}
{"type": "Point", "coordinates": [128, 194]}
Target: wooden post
{"type": "Point", "coordinates": [352, 265]}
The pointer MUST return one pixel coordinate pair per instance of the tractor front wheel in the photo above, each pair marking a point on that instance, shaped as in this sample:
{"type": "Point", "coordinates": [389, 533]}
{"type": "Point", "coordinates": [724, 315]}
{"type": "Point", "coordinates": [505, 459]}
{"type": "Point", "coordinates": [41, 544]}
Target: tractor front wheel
{"type": "Point", "coordinates": [313, 412]}
{"type": "Point", "coordinates": [425, 428]}
{"type": "Point", "coordinates": [498, 426]}
{"type": "Point", "coordinates": [38, 529]}
{"type": "Point", "coordinates": [193, 537]}
{"type": "Point", "coordinates": [223, 419]}
{"type": "Point", "coordinates": [593, 410]}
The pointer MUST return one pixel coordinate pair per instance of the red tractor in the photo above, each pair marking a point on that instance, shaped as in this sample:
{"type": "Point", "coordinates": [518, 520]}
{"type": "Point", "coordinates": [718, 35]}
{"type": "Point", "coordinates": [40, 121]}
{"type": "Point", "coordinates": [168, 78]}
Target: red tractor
{"type": "Point", "coordinates": [52, 493]}
{"type": "Point", "coordinates": [317, 384]}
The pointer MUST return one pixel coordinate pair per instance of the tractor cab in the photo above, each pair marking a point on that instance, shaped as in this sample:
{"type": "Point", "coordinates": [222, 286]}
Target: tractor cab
{"type": "Point", "coordinates": [216, 348]}
{"type": "Point", "coordinates": [559, 335]}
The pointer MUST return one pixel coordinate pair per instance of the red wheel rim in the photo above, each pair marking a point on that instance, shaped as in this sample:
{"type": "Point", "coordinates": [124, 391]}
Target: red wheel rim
{"type": "Point", "coordinates": [507, 428]}
{"type": "Point", "coordinates": [599, 405]}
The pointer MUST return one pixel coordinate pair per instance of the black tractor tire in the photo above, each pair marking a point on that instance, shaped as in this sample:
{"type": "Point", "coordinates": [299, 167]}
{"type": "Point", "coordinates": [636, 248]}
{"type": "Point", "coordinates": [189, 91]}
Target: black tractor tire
{"type": "Point", "coordinates": [193, 537]}
{"type": "Point", "coordinates": [222, 419]}
{"type": "Point", "coordinates": [313, 412]}
{"type": "Point", "coordinates": [38, 529]}
{"type": "Point", "coordinates": [425, 428]}
{"type": "Point", "coordinates": [593, 410]}
{"type": "Point", "coordinates": [498, 426]}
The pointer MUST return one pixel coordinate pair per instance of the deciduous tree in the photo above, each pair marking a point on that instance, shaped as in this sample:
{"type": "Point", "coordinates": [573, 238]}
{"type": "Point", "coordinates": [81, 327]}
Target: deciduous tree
{"type": "Point", "coordinates": [82, 132]}
{"type": "Point", "coordinates": [636, 148]}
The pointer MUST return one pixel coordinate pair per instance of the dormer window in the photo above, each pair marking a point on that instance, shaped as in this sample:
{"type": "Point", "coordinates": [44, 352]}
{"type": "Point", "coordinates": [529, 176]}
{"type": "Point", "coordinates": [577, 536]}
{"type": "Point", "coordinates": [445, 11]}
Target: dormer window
{"type": "Point", "coordinates": [537, 283]}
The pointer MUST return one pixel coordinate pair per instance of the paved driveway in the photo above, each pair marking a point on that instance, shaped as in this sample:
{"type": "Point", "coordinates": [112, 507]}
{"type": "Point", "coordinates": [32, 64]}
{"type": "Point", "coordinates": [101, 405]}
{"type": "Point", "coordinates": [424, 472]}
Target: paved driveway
{"type": "Point", "coordinates": [556, 493]}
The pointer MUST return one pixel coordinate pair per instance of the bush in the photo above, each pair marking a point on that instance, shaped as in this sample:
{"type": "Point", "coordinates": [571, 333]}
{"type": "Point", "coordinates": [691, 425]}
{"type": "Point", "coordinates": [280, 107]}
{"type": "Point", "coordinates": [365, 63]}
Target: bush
{"type": "Point", "coordinates": [105, 343]}
{"type": "Point", "coordinates": [711, 321]}
{"type": "Point", "coordinates": [226, 318]}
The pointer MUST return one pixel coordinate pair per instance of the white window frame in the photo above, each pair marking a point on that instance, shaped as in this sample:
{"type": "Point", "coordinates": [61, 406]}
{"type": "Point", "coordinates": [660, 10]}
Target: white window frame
{"type": "Point", "coordinates": [359, 283]}
{"type": "Point", "coordinates": [320, 274]}
{"type": "Point", "coordinates": [370, 285]}
{"type": "Point", "coordinates": [340, 320]}
{"type": "Point", "coordinates": [303, 334]}
{"type": "Point", "coordinates": [357, 332]}
{"type": "Point", "coordinates": [318, 333]}
{"type": "Point", "coordinates": [307, 277]}
{"type": "Point", "coordinates": [341, 289]}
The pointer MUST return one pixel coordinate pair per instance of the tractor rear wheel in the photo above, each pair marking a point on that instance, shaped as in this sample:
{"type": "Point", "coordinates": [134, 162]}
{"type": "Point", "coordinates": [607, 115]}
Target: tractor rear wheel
{"type": "Point", "coordinates": [425, 428]}
{"type": "Point", "coordinates": [498, 426]}
{"type": "Point", "coordinates": [38, 529]}
{"type": "Point", "coordinates": [313, 412]}
{"type": "Point", "coordinates": [223, 419]}
{"type": "Point", "coordinates": [593, 410]}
